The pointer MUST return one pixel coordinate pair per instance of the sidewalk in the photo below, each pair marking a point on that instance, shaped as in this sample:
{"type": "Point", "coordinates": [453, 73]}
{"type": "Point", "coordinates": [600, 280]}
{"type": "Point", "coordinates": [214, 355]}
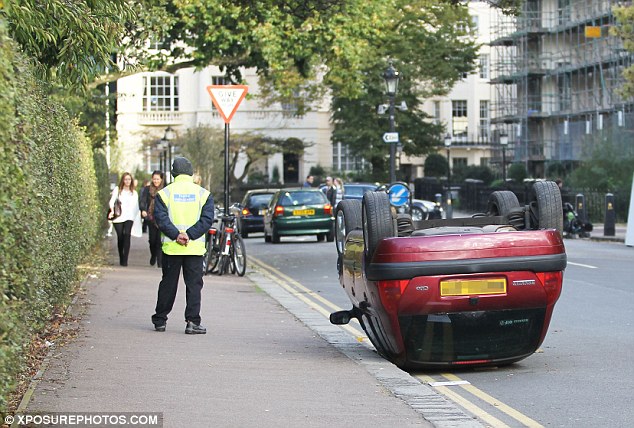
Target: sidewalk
{"type": "Point", "coordinates": [258, 365]}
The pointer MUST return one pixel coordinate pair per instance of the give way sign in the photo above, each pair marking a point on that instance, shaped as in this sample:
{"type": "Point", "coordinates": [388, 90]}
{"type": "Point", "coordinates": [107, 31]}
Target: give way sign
{"type": "Point", "coordinates": [227, 98]}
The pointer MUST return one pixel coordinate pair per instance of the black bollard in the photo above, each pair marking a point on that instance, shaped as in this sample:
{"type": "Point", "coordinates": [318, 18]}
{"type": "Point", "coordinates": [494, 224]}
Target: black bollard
{"type": "Point", "coordinates": [610, 216]}
{"type": "Point", "coordinates": [580, 204]}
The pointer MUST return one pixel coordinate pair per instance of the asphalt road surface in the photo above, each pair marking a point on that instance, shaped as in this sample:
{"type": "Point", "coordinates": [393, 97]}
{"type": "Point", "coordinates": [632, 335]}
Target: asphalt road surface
{"type": "Point", "coordinates": [583, 374]}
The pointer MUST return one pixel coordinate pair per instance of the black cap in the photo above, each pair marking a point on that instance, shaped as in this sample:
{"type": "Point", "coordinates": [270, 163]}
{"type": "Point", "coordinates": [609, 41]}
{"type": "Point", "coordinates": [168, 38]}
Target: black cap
{"type": "Point", "coordinates": [182, 165]}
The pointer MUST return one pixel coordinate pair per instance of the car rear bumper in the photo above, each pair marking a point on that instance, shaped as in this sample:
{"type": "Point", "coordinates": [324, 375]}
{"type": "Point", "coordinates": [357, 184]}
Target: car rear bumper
{"type": "Point", "coordinates": [302, 226]}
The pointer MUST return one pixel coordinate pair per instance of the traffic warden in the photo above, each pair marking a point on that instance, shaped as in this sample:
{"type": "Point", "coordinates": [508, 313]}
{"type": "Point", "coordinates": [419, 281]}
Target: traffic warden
{"type": "Point", "coordinates": [183, 212]}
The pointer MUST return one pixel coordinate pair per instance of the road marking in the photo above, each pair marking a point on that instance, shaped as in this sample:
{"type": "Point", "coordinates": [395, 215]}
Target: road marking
{"type": "Point", "coordinates": [466, 404]}
{"type": "Point", "coordinates": [582, 265]}
{"type": "Point", "coordinates": [521, 418]}
{"type": "Point", "coordinates": [301, 292]}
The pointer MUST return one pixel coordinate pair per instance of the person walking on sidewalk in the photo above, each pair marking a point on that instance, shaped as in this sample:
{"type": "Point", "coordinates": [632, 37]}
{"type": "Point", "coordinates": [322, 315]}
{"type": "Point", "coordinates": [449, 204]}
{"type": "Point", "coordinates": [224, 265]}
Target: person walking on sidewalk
{"type": "Point", "coordinates": [184, 212]}
{"type": "Point", "coordinates": [129, 222]}
{"type": "Point", "coordinates": [146, 203]}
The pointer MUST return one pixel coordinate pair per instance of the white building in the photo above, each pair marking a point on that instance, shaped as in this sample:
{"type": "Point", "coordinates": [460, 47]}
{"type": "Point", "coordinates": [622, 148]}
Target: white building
{"type": "Point", "coordinates": [150, 102]}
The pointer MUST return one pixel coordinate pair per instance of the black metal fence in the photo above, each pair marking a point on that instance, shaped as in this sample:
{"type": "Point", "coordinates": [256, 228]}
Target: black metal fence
{"type": "Point", "coordinates": [473, 196]}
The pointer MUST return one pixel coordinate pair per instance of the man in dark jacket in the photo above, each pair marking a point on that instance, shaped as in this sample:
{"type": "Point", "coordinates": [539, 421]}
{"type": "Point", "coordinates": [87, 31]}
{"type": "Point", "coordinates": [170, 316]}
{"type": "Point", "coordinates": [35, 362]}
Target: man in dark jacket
{"type": "Point", "coordinates": [331, 192]}
{"type": "Point", "coordinates": [183, 212]}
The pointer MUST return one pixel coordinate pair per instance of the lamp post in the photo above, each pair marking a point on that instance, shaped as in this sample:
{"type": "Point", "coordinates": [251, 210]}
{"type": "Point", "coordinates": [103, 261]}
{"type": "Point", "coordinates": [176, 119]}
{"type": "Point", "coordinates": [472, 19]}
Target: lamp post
{"type": "Point", "coordinates": [391, 76]}
{"type": "Point", "coordinates": [504, 140]}
{"type": "Point", "coordinates": [167, 138]}
{"type": "Point", "coordinates": [448, 139]}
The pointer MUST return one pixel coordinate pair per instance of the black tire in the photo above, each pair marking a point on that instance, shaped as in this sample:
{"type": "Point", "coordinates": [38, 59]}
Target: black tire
{"type": "Point", "coordinates": [330, 236]}
{"type": "Point", "coordinates": [267, 238]}
{"type": "Point", "coordinates": [377, 221]}
{"type": "Point", "coordinates": [223, 264]}
{"type": "Point", "coordinates": [275, 237]}
{"type": "Point", "coordinates": [347, 218]}
{"type": "Point", "coordinates": [320, 237]}
{"type": "Point", "coordinates": [210, 261]}
{"type": "Point", "coordinates": [244, 234]}
{"type": "Point", "coordinates": [502, 203]}
{"type": "Point", "coordinates": [546, 209]}
{"type": "Point", "coordinates": [239, 255]}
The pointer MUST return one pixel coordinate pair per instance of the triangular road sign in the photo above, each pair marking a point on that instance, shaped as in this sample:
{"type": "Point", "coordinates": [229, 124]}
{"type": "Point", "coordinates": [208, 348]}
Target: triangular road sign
{"type": "Point", "coordinates": [227, 98]}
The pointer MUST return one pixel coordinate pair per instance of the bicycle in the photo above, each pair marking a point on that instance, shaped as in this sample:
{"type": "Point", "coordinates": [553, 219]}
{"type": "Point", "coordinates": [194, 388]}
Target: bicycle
{"type": "Point", "coordinates": [225, 248]}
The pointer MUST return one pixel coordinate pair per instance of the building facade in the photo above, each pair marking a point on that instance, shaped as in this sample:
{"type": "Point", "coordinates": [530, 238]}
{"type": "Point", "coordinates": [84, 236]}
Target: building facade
{"type": "Point", "coordinates": [556, 79]}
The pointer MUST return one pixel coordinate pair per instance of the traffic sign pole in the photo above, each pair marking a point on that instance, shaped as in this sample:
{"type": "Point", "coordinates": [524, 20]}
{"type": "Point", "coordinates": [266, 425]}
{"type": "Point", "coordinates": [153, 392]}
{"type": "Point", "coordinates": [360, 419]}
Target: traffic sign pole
{"type": "Point", "coordinates": [227, 98]}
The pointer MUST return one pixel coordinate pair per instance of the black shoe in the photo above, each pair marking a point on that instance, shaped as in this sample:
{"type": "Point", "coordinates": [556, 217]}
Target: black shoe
{"type": "Point", "coordinates": [152, 260]}
{"type": "Point", "coordinates": [123, 263]}
{"type": "Point", "coordinates": [195, 328]}
{"type": "Point", "coordinates": [160, 327]}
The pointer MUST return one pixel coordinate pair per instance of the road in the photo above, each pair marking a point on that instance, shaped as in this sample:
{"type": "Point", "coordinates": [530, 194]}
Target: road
{"type": "Point", "coordinates": [582, 376]}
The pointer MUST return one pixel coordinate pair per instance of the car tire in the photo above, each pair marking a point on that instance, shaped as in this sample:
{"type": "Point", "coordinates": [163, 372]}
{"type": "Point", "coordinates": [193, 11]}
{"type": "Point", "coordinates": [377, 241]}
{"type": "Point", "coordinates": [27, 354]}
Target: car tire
{"type": "Point", "coordinates": [267, 237]}
{"type": "Point", "coordinates": [330, 236]}
{"type": "Point", "coordinates": [418, 214]}
{"type": "Point", "coordinates": [244, 234]}
{"type": "Point", "coordinates": [275, 237]}
{"type": "Point", "coordinates": [377, 221]}
{"type": "Point", "coordinates": [347, 218]}
{"type": "Point", "coordinates": [320, 237]}
{"type": "Point", "coordinates": [546, 209]}
{"type": "Point", "coordinates": [502, 203]}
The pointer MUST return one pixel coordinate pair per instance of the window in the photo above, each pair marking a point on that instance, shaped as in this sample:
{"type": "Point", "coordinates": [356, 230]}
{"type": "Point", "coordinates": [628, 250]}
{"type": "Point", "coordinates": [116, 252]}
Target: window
{"type": "Point", "coordinates": [458, 162]}
{"type": "Point", "coordinates": [459, 118]}
{"type": "Point", "coordinates": [436, 112]}
{"type": "Point", "coordinates": [160, 92]}
{"type": "Point", "coordinates": [484, 120]}
{"type": "Point", "coordinates": [343, 160]}
{"type": "Point", "coordinates": [484, 66]}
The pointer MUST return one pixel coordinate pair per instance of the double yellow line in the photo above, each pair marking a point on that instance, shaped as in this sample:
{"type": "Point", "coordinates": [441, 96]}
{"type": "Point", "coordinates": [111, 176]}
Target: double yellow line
{"type": "Point", "coordinates": [325, 307]}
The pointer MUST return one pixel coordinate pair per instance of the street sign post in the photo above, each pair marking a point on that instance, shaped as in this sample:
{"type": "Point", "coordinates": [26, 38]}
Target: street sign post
{"type": "Point", "coordinates": [227, 98]}
{"type": "Point", "coordinates": [390, 137]}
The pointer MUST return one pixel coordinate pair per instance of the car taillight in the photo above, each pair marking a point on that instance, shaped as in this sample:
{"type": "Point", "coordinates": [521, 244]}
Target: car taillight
{"type": "Point", "coordinates": [245, 211]}
{"type": "Point", "coordinates": [551, 281]}
{"type": "Point", "coordinates": [328, 209]}
{"type": "Point", "coordinates": [470, 362]}
{"type": "Point", "coordinates": [391, 292]}
{"type": "Point", "coordinates": [279, 210]}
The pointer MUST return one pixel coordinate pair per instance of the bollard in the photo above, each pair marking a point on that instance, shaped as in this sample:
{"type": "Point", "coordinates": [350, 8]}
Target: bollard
{"type": "Point", "coordinates": [610, 216]}
{"type": "Point", "coordinates": [580, 203]}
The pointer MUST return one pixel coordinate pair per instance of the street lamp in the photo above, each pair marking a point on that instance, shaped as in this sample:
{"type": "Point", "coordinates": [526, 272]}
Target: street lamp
{"type": "Point", "coordinates": [392, 76]}
{"type": "Point", "coordinates": [504, 140]}
{"type": "Point", "coordinates": [167, 141]}
{"type": "Point", "coordinates": [448, 139]}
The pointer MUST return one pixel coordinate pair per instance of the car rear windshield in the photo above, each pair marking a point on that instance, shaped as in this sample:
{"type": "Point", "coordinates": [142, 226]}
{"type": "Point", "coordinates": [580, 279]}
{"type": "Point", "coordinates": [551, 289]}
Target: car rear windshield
{"type": "Point", "coordinates": [302, 198]}
{"type": "Point", "coordinates": [262, 199]}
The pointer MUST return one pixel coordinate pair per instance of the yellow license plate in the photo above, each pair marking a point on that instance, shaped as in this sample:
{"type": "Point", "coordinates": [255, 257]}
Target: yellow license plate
{"type": "Point", "coordinates": [303, 212]}
{"type": "Point", "coordinates": [468, 287]}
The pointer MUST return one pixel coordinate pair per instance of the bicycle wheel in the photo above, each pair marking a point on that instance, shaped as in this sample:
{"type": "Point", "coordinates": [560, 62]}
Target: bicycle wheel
{"type": "Point", "coordinates": [238, 255]}
{"type": "Point", "coordinates": [223, 264]}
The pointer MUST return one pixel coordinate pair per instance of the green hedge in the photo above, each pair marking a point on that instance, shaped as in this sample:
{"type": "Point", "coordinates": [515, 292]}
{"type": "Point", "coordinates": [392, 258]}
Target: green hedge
{"type": "Point", "coordinates": [51, 215]}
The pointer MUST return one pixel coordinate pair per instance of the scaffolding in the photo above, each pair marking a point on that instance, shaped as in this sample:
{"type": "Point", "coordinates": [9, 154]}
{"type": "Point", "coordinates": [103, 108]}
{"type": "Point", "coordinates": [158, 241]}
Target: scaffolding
{"type": "Point", "coordinates": [556, 74]}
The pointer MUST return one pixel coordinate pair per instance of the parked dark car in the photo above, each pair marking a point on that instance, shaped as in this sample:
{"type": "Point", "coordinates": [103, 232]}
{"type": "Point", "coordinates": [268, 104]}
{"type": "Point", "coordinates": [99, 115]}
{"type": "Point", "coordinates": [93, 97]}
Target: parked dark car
{"type": "Point", "coordinates": [299, 211]}
{"type": "Point", "coordinates": [354, 190]}
{"type": "Point", "coordinates": [250, 213]}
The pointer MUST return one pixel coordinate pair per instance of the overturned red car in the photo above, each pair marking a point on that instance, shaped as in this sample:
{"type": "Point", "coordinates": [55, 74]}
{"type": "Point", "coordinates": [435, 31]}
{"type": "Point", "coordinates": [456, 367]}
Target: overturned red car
{"type": "Point", "coordinates": [453, 292]}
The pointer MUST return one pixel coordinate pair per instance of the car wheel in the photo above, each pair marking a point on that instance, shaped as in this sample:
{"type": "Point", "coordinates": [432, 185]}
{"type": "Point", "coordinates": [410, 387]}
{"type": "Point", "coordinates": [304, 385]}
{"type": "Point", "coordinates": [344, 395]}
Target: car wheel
{"type": "Point", "coordinates": [320, 237]}
{"type": "Point", "coordinates": [377, 221]}
{"type": "Point", "coordinates": [244, 234]}
{"type": "Point", "coordinates": [502, 202]}
{"type": "Point", "coordinates": [546, 210]}
{"type": "Point", "coordinates": [347, 218]}
{"type": "Point", "coordinates": [417, 214]}
{"type": "Point", "coordinates": [275, 237]}
{"type": "Point", "coordinates": [267, 237]}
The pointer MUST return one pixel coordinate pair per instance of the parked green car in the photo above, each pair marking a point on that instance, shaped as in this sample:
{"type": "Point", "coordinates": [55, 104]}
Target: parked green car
{"type": "Point", "coordinates": [299, 211]}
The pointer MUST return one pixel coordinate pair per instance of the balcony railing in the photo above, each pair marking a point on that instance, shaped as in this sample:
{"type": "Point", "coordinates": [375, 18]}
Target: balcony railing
{"type": "Point", "coordinates": [160, 118]}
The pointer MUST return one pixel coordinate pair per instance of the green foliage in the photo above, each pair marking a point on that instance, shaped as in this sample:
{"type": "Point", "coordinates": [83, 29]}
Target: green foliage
{"type": "Point", "coordinates": [517, 172]}
{"type": "Point", "coordinates": [475, 172]}
{"type": "Point", "coordinates": [69, 41]}
{"type": "Point", "coordinates": [625, 30]}
{"type": "Point", "coordinates": [50, 210]}
{"type": "Point", "coordinates": [436, 165]}
{"type": "Point", "coordinates": [318, 171]}
{"type": "Point", "coordinates": [431, 44]}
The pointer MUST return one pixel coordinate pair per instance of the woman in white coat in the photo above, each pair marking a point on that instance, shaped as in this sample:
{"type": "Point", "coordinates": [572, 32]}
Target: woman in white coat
{"type": "Point", "coordinates": [129, 222]}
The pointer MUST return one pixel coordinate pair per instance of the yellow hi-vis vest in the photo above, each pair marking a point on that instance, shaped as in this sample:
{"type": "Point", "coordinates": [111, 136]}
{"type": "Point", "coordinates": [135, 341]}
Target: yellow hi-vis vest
{"type": "Point", "coordinates": [184, 201]}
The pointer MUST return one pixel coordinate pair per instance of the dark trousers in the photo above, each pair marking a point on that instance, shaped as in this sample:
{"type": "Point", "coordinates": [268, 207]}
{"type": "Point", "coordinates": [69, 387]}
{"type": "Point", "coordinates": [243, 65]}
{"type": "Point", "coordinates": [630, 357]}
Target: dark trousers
{"type": "Point", "coordinates": [192, 267]}
{"type": "Point", "coordinates": [154, 239]}
{"type": "Point", "coordinates": [124, 231]}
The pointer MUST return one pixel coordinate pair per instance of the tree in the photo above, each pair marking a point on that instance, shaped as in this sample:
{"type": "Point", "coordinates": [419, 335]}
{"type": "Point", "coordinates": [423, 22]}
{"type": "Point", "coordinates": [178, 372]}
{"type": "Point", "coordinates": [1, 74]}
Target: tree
{"type": "Point", "coordinates": [431, 45]}
{"type": "Point", "coordinates": [436, 165]}
{"type": "Point", "coordinates": [517, 172]}
{"type": "Point", "coordinates": [625, 30]}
